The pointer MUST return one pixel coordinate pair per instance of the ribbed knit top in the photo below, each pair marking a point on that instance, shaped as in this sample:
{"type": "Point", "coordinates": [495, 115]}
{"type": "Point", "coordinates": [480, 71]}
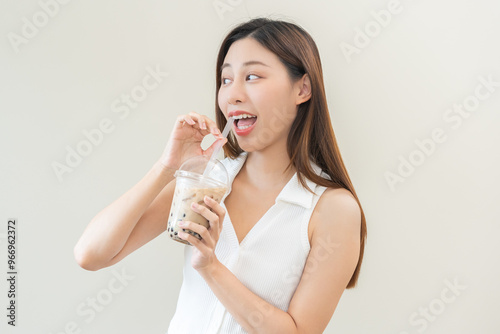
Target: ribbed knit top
{"type": "Point", "coordinates": [269, 261]}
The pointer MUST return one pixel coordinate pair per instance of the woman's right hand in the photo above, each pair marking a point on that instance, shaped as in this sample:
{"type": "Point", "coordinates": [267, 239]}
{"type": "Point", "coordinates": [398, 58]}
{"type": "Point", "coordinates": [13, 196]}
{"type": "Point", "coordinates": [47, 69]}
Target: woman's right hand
{"type": "Point", "coordinates": [185, 139]}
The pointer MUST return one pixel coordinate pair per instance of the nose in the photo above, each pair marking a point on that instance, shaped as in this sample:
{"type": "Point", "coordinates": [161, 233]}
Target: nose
{"type": "Point", "coordinates": [233, 101]}
{"type": "Point", "coordinates": [236, 93]}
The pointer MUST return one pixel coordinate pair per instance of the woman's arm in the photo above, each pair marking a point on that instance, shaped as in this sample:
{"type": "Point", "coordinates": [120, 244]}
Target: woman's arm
{"type": "Point", "coordinates": [132, 220]}
{"type": "Point", "coordinates": [141, 214]}
{"type": "Point", "coordinates": [335, 248]}
{"type": "Point", "coordinates": [332, 260]}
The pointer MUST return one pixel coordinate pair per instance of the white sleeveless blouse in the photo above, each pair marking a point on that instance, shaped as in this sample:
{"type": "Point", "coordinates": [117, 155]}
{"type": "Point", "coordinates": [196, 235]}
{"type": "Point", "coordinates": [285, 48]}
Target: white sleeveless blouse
{"type": "Point", "coordinates": [269, 261]}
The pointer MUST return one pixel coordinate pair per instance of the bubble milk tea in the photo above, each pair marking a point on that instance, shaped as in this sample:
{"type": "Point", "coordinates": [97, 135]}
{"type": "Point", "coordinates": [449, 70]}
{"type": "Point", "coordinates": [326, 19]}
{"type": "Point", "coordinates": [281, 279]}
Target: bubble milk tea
{"type": "Point", "coordinates": [185, 194]}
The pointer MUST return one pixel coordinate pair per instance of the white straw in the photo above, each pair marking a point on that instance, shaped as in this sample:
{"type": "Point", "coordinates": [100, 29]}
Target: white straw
{"type": "Point", "coordinates": [218, 145]}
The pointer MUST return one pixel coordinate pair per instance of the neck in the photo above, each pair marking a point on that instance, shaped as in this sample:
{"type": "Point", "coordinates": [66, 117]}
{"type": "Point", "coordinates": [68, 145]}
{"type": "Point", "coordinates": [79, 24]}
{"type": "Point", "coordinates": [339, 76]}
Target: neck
{"type": "Point", "coordinates": [265, 169]}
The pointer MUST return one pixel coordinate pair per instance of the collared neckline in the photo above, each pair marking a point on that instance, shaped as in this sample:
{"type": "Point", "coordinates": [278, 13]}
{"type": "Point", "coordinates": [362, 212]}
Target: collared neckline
{"type": "Point", "coordinates": [293, 192]}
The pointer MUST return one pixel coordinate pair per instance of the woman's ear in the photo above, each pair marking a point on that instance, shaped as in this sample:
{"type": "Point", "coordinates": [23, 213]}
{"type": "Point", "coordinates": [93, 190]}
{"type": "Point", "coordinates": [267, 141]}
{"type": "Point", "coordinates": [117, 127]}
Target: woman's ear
{"type": "Point", "coordinates": [304, 89]}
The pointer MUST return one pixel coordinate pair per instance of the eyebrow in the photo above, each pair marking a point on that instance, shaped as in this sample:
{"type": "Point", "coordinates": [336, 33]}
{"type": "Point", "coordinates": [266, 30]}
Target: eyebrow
{"type": "Point", "coordinates": [248, 63]}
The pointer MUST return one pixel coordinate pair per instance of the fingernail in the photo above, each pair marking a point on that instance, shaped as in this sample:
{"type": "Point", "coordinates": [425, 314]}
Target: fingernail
{"type": "Point", "coordinates": [181, 223]}
{"type": "Point", "coordinates": [194, 205]}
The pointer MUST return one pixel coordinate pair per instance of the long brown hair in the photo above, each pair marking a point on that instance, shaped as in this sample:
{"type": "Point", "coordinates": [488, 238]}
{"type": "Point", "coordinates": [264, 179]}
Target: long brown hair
{"type": "Point", "coordinates": [311, 136]}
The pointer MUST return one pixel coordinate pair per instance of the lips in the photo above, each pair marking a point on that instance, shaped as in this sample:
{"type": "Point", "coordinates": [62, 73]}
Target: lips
{"type": "Point", "coordinates": [244, 130]}
{"type": "Point", "coordinates": [239, 112]}
{"type": "Point", "coordinates": [244, 121]}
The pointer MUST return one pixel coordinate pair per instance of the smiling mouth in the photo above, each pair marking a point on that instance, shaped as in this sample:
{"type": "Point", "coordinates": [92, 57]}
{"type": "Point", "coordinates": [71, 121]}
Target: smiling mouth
{"type": "Point", "coordinates": [244, 123]}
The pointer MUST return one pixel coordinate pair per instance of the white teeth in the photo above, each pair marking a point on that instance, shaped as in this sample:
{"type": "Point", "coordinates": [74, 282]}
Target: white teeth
{"type": "Point", "coordinates": [244, 127]}
{"type": "Point", "coordinates": [243, 116]}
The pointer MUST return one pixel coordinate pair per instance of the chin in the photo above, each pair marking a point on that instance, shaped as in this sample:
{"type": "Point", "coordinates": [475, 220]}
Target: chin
{"type": "Point", "coordinates": [247, 147]}
{"type": "Point", "coordinates": [252, 146]}
{"type": "Point", "coordinates": [258, 141]}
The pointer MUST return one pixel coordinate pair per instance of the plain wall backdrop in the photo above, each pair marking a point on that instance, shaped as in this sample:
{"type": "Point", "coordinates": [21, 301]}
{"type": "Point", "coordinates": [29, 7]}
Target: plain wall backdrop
{"type": "Point", "coordinates": [414, 94]}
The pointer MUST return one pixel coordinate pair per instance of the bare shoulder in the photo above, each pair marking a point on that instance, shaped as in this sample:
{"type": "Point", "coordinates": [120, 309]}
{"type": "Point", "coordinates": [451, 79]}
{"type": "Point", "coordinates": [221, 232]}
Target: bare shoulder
{"type": "Point", "coordinates": [338, 212]}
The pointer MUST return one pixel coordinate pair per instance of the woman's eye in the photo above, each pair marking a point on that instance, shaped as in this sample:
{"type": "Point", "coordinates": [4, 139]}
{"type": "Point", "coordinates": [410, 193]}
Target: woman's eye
{"type": "Point", "coordinates": [225, 81]}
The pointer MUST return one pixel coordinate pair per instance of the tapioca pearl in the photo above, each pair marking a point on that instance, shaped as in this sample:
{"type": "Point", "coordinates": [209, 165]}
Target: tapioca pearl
{"type": "Point", "coordinates": [175, 233]}
{"type": "Point", "coordinates": [171, 235]}
{"type": "Point", "coordinates": [183, 215]}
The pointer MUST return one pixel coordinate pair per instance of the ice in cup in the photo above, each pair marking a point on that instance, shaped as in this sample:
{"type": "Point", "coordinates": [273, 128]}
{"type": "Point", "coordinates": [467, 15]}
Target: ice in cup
{"type": "Point", "coordinates": [192, 186]}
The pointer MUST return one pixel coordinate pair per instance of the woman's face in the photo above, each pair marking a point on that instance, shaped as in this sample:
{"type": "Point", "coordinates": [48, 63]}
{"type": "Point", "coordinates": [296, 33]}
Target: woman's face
{"type": "Point", "coordinates": [255, 82]}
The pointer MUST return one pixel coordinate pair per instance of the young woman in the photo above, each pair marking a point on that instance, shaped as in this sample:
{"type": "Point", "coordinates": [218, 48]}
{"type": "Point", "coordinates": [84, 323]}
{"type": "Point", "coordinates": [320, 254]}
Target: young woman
{"type": "Point", "coordinates": [289, 238]}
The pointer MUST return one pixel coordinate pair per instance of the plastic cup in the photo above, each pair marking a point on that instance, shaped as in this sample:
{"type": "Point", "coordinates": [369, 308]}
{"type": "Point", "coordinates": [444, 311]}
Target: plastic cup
{"type": "Point", "coordinates": [192, 186]}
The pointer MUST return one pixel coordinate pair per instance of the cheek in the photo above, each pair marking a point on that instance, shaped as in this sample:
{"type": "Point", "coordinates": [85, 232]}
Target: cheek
{"type": "Point", "coordinates": [220, 99]}
{"type": "Point", "coordinates": [280, 109]}
{"type": "Point", "coordinates": [276, 96]}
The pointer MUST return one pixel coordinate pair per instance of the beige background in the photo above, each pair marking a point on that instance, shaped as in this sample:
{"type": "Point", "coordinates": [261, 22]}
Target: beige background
{"type": "Point", "coordinates": [440, 225]}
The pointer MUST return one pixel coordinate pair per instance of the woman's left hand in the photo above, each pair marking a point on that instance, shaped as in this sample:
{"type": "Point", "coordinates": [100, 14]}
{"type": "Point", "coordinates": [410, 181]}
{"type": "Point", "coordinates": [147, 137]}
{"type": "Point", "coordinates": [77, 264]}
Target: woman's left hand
{"type": "Point", "coordinates": [204, 253]}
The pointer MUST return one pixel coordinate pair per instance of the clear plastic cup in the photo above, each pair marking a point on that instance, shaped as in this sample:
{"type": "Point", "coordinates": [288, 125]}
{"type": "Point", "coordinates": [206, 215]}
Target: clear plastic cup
{"type": "Point", "coordinates": [192, 186]}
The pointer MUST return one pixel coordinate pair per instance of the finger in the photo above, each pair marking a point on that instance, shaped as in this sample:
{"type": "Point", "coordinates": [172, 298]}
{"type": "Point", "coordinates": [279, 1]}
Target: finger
{"type": "Point", "coordinates": [190, 120]}
{"type": "Point", "coordinates": [219, 142]}
{"type": "Point", "coordinates": [192, 125]}
{"type": "Point", "coordinates": [204, 249]}
{"type": "Point", "coordinates": [204, 211]}
{"type": "Point", "coordinates": [206, 238]}
{"type": "Point", "coordinates": [187, 119]}
{"type": "Point", "coordinates": [211, 216]}
{"type": "Point", "coordinates": [215, 131]}
{"type": "Point", "coordinates": [181, 120]}
{"type": "Point", "coordinates": [201, 230]}
{"type": "Point", "coordinates": [218, 210]}
{"type": "Point", "coordinates": [209, 125]}
{"type": "Point", "coordinates": [200, 119]}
